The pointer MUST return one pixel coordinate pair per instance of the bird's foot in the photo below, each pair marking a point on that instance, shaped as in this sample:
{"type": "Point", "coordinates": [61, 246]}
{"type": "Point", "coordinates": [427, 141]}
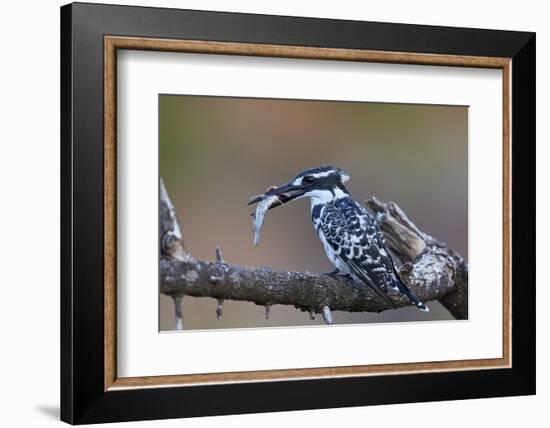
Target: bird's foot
{"type": "Point", "coordinates": [332, 272]}
{"type": "Point", "coordinates": [337, 273]}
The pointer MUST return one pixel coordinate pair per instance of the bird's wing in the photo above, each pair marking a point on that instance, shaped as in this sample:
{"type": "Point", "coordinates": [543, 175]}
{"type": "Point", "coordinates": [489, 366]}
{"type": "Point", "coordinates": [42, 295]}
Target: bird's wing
{"type": "Point", "coordinates": [357, 240]}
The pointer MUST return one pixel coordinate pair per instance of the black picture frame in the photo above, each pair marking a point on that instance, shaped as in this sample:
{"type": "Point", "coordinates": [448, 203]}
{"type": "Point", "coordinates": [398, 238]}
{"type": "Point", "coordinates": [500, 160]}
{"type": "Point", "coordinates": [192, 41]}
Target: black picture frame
{"type": "Point", "coordinates": [83, 398]}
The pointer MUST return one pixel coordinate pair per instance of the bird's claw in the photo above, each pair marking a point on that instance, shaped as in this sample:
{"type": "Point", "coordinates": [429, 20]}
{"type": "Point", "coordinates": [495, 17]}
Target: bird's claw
{"type": "Point", "coordinates": [336, 273]}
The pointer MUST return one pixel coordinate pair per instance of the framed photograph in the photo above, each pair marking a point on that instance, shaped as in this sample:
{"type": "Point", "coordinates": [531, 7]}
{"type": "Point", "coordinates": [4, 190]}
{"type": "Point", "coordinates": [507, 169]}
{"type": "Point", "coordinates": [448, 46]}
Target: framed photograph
{"type": "Point", "coordinates": [320, 213]}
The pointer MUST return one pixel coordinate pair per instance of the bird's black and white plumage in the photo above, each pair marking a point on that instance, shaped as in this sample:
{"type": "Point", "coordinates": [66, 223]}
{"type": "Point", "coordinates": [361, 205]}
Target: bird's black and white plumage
{"type": "Point", "coordinates": [351, 236]}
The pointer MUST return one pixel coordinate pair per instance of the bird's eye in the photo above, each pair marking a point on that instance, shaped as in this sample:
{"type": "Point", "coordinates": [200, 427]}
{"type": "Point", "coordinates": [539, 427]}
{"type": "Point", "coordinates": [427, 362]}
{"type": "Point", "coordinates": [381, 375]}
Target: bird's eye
{"type": "Point", "coordinates": [308, 179]}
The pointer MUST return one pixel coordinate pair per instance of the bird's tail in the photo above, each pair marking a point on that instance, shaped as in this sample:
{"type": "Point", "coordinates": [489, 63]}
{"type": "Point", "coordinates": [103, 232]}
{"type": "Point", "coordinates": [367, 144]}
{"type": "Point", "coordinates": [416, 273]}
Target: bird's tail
{"type": "Point", "coordinates": [414, 300]}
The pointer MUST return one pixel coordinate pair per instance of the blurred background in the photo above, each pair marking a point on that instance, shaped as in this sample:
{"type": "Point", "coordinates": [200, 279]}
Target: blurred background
{"type": "Point", "coordinates": [216, 152]}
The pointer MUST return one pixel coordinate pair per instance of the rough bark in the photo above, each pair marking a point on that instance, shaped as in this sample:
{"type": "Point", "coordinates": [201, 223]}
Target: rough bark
{"type": "Point", "coordinates": [425, 259]}
{"type": "Point", "coordinates": [430, 269]}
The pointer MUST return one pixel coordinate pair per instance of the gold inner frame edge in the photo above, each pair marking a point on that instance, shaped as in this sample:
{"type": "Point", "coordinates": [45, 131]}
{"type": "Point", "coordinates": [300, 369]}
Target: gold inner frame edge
{"type": "Point", "coordinates": [113, 43]}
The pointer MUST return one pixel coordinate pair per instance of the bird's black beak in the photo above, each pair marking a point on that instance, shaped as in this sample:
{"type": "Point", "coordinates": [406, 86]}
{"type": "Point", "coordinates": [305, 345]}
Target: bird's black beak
{"type": "Point", "coordinates": [286, 193]}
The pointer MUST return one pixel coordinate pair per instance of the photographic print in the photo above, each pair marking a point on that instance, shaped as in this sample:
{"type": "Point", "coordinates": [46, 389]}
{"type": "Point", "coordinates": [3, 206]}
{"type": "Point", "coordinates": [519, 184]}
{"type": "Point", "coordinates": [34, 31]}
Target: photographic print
{"type": "Point", "coordinates": [308, 212]}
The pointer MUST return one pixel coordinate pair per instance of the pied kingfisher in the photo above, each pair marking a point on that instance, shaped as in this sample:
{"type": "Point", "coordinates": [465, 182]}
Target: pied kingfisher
{"type": "Point", "coordinates": [351, 236]}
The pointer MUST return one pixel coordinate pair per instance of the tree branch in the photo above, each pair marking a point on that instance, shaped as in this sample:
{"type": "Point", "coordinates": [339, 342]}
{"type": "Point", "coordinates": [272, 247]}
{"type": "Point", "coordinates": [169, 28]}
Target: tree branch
{"type": "Point", "coordinates": [431, 270]}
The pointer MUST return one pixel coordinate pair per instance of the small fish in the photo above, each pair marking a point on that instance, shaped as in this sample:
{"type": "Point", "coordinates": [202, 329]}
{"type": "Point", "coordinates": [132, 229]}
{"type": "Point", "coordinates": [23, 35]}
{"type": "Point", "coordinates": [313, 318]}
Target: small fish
{"type": "Point", "coordinates": [258, 217]}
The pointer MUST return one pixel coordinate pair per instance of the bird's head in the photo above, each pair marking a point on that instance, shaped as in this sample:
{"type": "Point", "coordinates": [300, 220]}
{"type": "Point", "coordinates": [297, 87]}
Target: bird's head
{"type": "Point", "coordinates": [322, 185]}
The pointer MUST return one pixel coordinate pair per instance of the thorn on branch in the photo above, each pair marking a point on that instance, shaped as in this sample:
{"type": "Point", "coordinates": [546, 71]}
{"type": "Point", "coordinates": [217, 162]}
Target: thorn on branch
{"type": "Point", "coordinates": [219, 309]}
{"type": "Point", "coordinates": [327, 316]}
{"type": "Point", "coordinates": [219, 257]}
{"type": "Point", "coordinates": [178, 300]}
